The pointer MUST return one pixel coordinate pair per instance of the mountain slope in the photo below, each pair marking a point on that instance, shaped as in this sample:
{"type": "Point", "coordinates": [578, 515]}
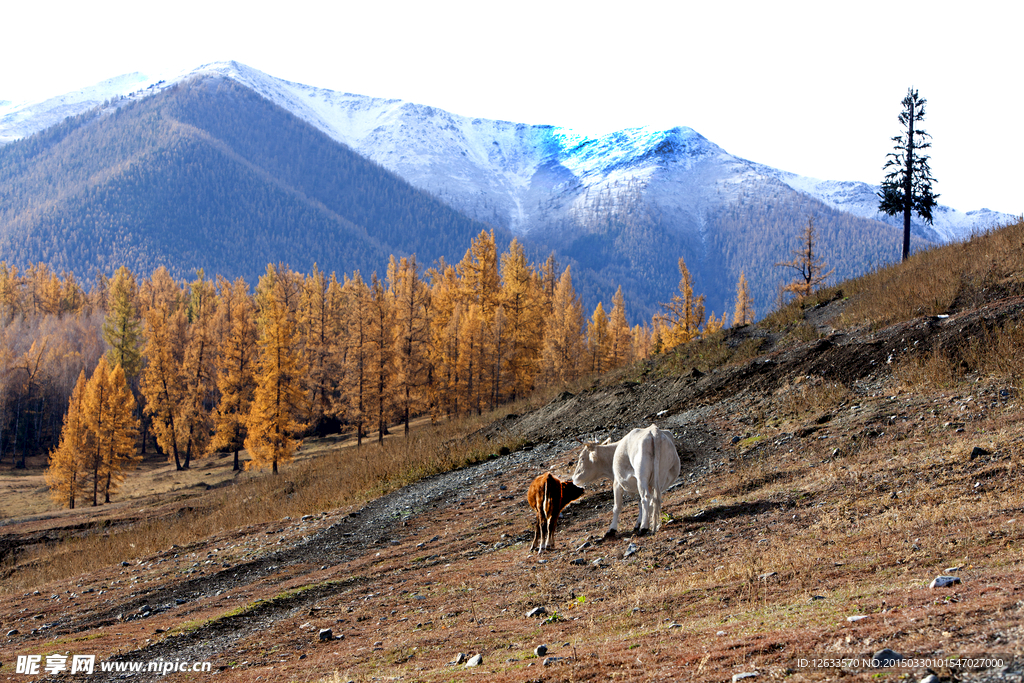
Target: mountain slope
{"type": "Point", "coordinates": [208, 174]}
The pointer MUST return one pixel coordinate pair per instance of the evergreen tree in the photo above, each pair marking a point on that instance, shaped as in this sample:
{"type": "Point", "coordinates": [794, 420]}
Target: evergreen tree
{"type": "Point", "coordinates": [907, 187]}
{"type": "Point", "coordinates": [122, 327]}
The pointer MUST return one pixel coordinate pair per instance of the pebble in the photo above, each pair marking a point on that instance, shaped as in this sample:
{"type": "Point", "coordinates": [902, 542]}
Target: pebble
{"type": "Point", "coordinates": [459, 659]}
{"type": "Point", "coordinates": [740, 677]}
{"type": "Point", "coordinates": [325, 635]}
{"type": "Point", "coordinates": [944, 581]}
{"type": "Point", "coordinates": [632, 549]}
{"type": "Point", "coordinates": [475, 660]}
{"type": "Point", "coordinates": [885, 658]}
{"type": "Point", "coordinates": [540, 650]}
{"type": "Point", "coordinates": [536, 612]}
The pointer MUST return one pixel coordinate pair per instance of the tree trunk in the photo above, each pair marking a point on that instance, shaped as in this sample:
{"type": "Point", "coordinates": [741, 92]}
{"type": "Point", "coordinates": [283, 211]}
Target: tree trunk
{"type": "Point", "coordinates": [908, 186]}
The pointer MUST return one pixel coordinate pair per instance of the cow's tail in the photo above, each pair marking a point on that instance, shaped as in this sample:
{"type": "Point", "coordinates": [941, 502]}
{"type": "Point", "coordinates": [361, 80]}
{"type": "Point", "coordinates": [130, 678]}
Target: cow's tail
{"type": "Point", "coordinates": [654, 502]}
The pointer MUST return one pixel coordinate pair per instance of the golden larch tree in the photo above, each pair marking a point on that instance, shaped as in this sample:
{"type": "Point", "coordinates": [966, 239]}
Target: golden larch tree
{"type": "Point", "coordinates": [744, 314]}
{"type": "Point", "coordinates": [198, 368]}
{"type": "Point", "coordinates": [563, 336]}
{"type": "Point", "coordinates": [447, 310]}
{"type": "Point", "coordinates": [524, 304]}
{"type": "Point", "coordinates": [620, 337]}
{"type": "Point", "coordinates": [684, 315]}
{"type": "Point", "coordinates": [122, 455]}
{"type": "Point", "coordinates": [597, 340]}
{"type": "Point", "coordinates": [67, 469]}
{"type": "Point", "coordinates": [162, 384]}
{"type": "Point", "coordinates": [411, 298]}
{"type": "Point", "coordinates": [279, 405]}
{"type": "Point", "coordinates": [353, 396]}
{"type": "Point", "coordinates": [810, 270]}
{"type": "Point", "coordinates": [381, 367]}
{"type": "Point", "coordinates": [236, 366]}
{"type": "Point", "coordinates": [108, 413]}
{"type": "Point", "coordinates": [320, 326]}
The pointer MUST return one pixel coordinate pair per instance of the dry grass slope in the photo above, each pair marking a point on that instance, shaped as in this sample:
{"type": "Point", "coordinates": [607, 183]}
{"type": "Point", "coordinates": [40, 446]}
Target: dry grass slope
{"type": "Point", "coordinates": [804, 501]}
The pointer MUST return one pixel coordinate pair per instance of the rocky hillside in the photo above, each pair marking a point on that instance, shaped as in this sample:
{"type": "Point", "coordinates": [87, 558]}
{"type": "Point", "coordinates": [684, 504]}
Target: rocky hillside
{"type": "Point", "coordinates": [832, 472]}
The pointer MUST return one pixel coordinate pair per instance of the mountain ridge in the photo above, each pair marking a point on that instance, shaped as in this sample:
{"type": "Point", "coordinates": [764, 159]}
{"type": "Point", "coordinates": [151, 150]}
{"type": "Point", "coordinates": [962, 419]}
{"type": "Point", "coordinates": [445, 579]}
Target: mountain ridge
{"type": "Point", "coordinates": [624, 207]}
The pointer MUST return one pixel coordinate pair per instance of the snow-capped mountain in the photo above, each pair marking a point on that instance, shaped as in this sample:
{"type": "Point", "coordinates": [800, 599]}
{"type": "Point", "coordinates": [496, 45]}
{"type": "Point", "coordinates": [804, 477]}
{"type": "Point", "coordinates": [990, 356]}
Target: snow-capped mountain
{"type": "Point", "coordinates": [532, 180]}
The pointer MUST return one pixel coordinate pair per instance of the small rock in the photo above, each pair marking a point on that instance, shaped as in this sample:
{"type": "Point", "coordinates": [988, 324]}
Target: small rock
{"type": "Point", "coordinates": [930, 678]}
{"type": "Point", "coordinates": [857, 617]}
{"type": "Point", "coordinates": [944, 581]}
{"type": "Point", "coordinates": [586, 544]}
{"type": "Point", "coordinates": [459, 659]}
{"type": "Point", "coordinates": [736, 439]}
{"type": "Point", "coordinates": [552, 660]}
{"type": "Point", "coordinates": [815, 598]}
{"type": "Point", "coordinates": [475, 660]}
{"type": "Point", "coordinates": [632, 549]}
{"type": "Point", "coordinates": [768, 575]}
{"type": "Point", "coordinates": [579, 561]}
{"type": "Point", "coordinates": [740, 677]}
{"type": "Point", "coordinates": [13, 632]}
{"type": "Point", "coordinates": [979, 451]}
{"type": "Point", "coordinates": [720, 633]}
{"type": "Point", "coordinates": [536, 612]}
{"type": "Point", "coordinates": [125, 563]}
{"type": "Point", "coordinates": [144, 609]}
{"type": "Point", "coordinates": [325, 635]}
{"type": "Point", "coordinates": [885, 658]}
{"type": "Point", "coordinates": [540, 650]}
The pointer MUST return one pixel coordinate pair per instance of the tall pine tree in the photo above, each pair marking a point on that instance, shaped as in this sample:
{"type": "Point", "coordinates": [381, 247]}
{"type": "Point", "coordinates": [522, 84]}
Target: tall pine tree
{"type": "Point", "coordinates": [907, 187]}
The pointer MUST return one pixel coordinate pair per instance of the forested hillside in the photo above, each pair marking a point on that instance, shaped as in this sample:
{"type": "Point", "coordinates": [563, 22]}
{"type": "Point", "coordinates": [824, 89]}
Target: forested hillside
{"type": "Point", "coordinates": [213, 365]}
{"type": "Point", "coordinates": [209, 175]}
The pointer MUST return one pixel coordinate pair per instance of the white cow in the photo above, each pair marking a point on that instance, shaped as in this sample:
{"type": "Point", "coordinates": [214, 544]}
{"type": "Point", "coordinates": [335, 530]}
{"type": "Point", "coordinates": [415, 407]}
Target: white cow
{"type": "Point", "coordinates": [644, 461]}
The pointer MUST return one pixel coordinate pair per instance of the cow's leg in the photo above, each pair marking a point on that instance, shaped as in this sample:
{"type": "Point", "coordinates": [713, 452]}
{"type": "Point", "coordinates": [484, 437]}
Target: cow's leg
{"type": "Point", "coordinates": [537, 534]}
{"type": "Point", "coordinates": [655, 510]}
{"type": "Point", "coordinates": [552, 525]}
{"type": "Point", "coordinates": [613, 530]}
{"type": "Point", "coordinates": [650, 506]}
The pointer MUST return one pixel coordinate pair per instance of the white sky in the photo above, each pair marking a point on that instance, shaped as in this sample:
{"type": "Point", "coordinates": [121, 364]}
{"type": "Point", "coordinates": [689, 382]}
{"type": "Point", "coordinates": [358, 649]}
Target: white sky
{"type": "Point", "coordinates": [808, 87]}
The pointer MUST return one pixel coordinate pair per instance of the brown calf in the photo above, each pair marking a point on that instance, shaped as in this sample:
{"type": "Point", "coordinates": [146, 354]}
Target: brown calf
{"type": "Point", "coordinates": [547, 496]}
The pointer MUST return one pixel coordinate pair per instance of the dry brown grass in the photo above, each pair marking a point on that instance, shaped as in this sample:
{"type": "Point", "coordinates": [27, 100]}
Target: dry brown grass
{"type": "Point", "coordinates": [941, 280]}
{"type": "Point", "coordinates": [326, 475]}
